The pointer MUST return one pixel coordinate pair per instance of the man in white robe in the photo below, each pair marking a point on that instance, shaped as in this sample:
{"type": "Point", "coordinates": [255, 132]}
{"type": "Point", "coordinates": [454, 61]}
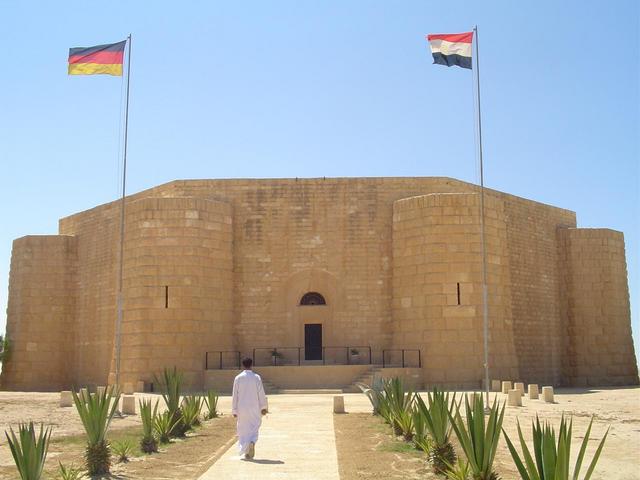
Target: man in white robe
{"type": "Point", "coordinates": [248, 405]}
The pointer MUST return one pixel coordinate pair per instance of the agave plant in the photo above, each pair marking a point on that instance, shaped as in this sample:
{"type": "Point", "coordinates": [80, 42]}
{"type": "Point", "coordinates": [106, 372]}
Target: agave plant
{"type": "Point", "coordinates": [400, 405]}
{"type": "Point", "coordinates": [191, 408]}
{"type": "Point", "coordinates": [435, 417]}
{"type": "Point", "coordinates": [551, 461]}
{"type": "Point", "coordinates": [148, 443]}
{"type": "Point", "coordinates": [171, 384]}
{"type": "Point", "coordinates": [479, 441]}
{"type": "Point", "coordinates": [70, 473]}
{"type": "Point", "coordinates": [459, 471]}
{"type": "Point", "coordinates": [122, 450]}
{"type": "Point", "coordinates": [211, 401]}
{"type": "Point", "coordinates": [163, 426]}
{"type": "Point", "coordinates": [96, 411]}
{"type": "Point", "coordinates": [29, 452]}
{"type": "Point", "coordinates": [373, 394]}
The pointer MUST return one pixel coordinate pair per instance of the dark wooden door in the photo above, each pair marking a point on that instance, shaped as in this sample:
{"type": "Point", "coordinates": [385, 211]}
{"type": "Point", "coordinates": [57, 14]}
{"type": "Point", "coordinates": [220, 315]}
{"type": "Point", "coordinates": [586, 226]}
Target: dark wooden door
{"type": "Point", "coordinates": [313, 341]}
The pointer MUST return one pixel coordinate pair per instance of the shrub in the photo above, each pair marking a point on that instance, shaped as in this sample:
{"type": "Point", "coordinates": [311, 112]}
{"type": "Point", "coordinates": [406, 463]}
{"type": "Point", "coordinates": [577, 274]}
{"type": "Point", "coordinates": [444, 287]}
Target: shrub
{"type": "Point", "coordinates": [400, 406]}
{"type": "Point", "coordinates": [551, 460]}
{"type": "Point", "coordinates": [211, 401]}
{"type": "Point", "coordinates": [435, 417]}
{"type": "Point", "coordinates": [29, 452]}
{"type": "Point", "coordinates": [479, 441]}
{"type": "Point", "coordinates": [171, 384]}
{"type": "Point", "coordinates": [122, 450]}
{"type": "Point", "coordinates": [148, 443]}
{"type": "Point", "coordinates": [191, 408]}
{"type": "Point", "coordinates": [163, 425]}
{"type": "Point", "coordinates": [96, 411]}
{"type": "Point", "coordinates": [70, 473]}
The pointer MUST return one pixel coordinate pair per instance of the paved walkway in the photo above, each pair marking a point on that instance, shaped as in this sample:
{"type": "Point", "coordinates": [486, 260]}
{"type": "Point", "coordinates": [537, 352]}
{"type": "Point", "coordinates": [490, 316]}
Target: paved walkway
{"type": "Point", "coordinates": [297, 440]}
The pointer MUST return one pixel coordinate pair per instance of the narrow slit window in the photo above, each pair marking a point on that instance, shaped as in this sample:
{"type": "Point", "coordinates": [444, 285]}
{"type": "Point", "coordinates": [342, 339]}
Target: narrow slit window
{"type": "Point", "coordinates": [166, 296]}
{"type": "Point", "coordinates": [458, 293]}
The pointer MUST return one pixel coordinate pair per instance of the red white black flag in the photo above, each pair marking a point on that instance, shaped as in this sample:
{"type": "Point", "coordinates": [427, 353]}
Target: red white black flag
{"type": "Point", "coordinates": [451, 49]}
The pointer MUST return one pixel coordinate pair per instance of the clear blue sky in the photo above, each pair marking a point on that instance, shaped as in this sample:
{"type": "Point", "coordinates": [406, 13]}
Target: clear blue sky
{"type": "Point", "coordinates": [322, 88]}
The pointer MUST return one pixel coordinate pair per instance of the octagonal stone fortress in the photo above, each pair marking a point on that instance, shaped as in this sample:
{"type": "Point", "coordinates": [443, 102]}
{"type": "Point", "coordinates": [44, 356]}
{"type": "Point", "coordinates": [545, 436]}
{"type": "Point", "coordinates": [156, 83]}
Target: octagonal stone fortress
{"type": "Point", "coordinates": [388, 263]}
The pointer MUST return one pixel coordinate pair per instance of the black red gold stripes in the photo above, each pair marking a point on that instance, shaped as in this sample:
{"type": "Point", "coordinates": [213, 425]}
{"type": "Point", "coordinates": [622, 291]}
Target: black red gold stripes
{"type": "Point", "coordinates": [100, 59]}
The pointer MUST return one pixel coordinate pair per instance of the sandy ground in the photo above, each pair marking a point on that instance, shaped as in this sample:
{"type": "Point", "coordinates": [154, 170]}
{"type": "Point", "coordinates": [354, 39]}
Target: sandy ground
{"type": "Point", "coordinates": [618, 409]}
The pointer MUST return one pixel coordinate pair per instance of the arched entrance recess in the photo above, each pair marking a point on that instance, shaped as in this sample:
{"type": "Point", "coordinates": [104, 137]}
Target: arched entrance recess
{"type": "Point", "coordinates": [311, 302]}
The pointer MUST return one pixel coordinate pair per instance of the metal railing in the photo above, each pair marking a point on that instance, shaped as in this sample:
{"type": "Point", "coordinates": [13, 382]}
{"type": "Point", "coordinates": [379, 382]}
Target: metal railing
{"type": "Point", "coordinates": [288, 356]}
{"type": "Point", "coordinates": [405, 358]}
{"type": "Point", "coordinates": [222, 359]}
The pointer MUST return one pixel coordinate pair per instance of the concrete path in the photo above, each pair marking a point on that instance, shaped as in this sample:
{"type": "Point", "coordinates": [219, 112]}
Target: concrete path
{"type": "Point", "coordinates": [297, 440]}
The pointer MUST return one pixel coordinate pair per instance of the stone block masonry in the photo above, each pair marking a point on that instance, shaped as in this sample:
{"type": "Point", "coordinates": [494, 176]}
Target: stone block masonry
{"type": "Point", "coordinates": [212, 265]}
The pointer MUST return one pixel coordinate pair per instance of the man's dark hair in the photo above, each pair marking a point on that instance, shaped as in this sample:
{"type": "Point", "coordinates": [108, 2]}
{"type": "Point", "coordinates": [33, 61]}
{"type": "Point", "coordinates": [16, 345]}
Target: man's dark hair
{"type": "Point", "coordinates": [247, 362]}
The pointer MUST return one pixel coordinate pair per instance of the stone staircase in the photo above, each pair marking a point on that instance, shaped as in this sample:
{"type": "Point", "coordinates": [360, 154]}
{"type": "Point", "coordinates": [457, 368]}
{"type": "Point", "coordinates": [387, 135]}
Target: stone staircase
{"type": "Point", "coordinates": [366, 377]}
{"type": "Point", "coordinates": [269, 388]}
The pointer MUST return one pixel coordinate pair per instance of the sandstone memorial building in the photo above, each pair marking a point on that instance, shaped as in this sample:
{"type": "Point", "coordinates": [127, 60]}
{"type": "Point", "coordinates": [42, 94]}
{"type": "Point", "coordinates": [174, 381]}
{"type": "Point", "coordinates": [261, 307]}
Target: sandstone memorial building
{"type": "Point", "coordinates": [340, 276]}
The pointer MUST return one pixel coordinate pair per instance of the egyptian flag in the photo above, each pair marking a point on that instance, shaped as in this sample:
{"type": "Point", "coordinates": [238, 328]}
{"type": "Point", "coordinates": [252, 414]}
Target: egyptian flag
{"type": "Point", "coordinates": [101, 59]}
{"type": "Point", "coordinates": [451, 49]}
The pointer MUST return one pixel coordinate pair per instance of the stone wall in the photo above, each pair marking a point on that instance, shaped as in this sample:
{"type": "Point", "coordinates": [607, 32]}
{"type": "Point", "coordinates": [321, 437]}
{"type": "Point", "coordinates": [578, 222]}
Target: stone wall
{"type": "Point", "coordinates": [41, 311]}
{"type": "Point", "coordinates": [177, 287]}
{"type": "Point", "coordinates": [599, 347]}
{"type": "Point", "coordinates": [437, 287]}
{"type": "Point", "coordinates": [234, 257]}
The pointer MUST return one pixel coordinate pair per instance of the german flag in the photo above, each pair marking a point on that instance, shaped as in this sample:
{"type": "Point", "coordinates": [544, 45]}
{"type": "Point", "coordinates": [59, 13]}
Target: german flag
{"type": "Point", "coordinates": [101, 59]}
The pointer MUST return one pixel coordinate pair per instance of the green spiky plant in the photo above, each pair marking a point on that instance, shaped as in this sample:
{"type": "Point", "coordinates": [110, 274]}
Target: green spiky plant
{"type": "Point", "coordinates": [479, 440]}
{"type": "Point", "coordinates": [28, 451]}
{"type": "Point", "coordinates": [191, 407]}
{"type": "Point", "coordinates": [435, 416]}
{"type": "Point", "coordinates": [551, 459]}
{"type": "Point", "coordinates": [211, 402]}
{"type": "Point", "coordinates": [171, 384]}
{"type": "Point", "coordinates": [400, 405]}
{"type": "Point", "coordinates": [96, 411]}
{"type": "Point", "coordinates": [373, 393]}
{"type": "Point", "coordinates": [5, 349]}
{"type": "Point", "coordinates": [459, 471]}
{"type": "Point", "coordinates": [122, 450]}
{"type": "Point", "coordinates": [69, 473]}
{"type": "Point", "coordinates": [163, 425]}
{"type": "Point", "coordinates": [148, 443]}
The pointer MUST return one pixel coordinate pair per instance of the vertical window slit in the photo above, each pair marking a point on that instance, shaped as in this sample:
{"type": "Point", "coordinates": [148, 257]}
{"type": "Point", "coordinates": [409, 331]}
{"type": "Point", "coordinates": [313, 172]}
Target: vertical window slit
{"type": "Point", "coordinates": [458, 293]}
{"type": "Point", "coordinates": [166, 296]}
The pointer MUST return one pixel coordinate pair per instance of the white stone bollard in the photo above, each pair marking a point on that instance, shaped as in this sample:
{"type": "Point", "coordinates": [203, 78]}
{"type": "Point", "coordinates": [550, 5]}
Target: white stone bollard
{"type": "Point", "coordinates": [520, 387]}
{"type": "Point", "coordinates": [495, 385]}
{"type": "Point", "coordinates": [515, 398]}
{"type": "Point", "coordinates": [506, 386]}
{"type": "Point", "coordinates": [66, 399]}
{"type": "Point", "coordinates": [129, 404]}
{"type": "Point", "coordinates": [338, 404]}
{"type": "Point", "coordinates": [128, 388]}
{"type": "Point", "coordinates": [547, 394]}
{"type": "Point", "coordinates": [533, 391]}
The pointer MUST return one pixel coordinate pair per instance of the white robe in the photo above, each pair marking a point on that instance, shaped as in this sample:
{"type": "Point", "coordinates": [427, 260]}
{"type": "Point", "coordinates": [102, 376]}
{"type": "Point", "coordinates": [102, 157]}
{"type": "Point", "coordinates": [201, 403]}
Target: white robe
{"type": "Point", "coordinates": [247, 403]}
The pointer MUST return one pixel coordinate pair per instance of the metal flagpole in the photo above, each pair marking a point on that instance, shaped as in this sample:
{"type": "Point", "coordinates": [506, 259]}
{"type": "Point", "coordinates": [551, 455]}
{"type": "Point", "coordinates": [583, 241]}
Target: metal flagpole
{"type": "Point", "coordinates": [485, 307]}
{"type": "Point", "coordinates": [124, 183]}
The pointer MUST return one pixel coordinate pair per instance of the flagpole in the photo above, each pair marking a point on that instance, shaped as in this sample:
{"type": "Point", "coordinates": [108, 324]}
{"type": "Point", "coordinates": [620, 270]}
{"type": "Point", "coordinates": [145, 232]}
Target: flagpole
{"type": "Point", "coordinates": [485, 308]}
{"type": "Point", "coordinates": [122, 201]}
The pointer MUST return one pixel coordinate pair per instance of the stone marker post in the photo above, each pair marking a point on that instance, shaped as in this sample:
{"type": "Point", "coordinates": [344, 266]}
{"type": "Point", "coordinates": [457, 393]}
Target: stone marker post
{"type": "Point", "coordinates": [128, 388]}
{"type": "Point", "coordinates": [338, 404]}
{"type": "Point", "coordinates": [506, 386]}
{"type": "Point", "coordinates": [533, 391]}
{"type": "Point", "coordinates": [129, 404]}
{"type": "Point", "coordinates": [66, 399]}
{"type": "Point", "coordinates": [520, 387]}
{"type": "Point", "coordinates": [515, 398]}
{"type": "Point", "coordinates": [547, 394]}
